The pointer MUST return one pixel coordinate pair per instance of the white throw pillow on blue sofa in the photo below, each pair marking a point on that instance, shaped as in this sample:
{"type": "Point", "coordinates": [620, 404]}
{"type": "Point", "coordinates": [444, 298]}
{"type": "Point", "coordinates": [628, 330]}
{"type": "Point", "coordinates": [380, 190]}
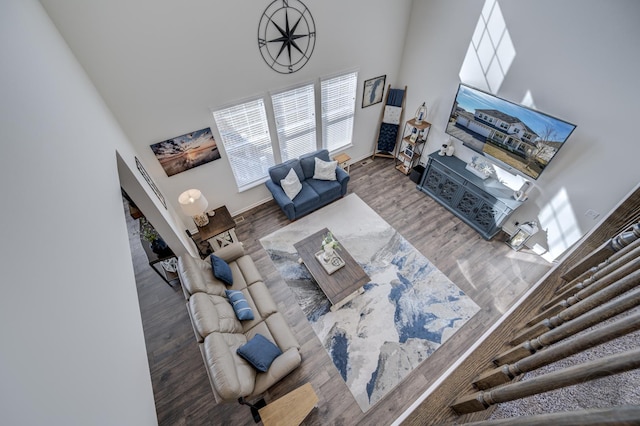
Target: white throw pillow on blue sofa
{"type": "Point", "coordinates": [325, 170]}
{"type": "Point", "coordinates": [291, 184]}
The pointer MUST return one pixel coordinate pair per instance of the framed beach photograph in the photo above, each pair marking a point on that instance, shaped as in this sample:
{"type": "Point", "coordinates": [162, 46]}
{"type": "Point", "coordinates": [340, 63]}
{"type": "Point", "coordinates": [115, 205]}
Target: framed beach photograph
{"type": "Point", "coordinates": [187, 151]}
{"type": "Point", "coordinates": [373, 91]}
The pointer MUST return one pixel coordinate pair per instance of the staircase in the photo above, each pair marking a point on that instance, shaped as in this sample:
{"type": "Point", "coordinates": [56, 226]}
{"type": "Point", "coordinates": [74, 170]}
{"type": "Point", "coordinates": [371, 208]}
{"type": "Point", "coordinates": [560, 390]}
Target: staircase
{"type": "Point", "coordinates": [546, 341]}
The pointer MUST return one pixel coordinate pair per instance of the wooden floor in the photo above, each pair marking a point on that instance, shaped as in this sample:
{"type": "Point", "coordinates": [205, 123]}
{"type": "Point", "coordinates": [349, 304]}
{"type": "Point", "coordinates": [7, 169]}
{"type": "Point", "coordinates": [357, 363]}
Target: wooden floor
{"type": "Point", "coordinates": [488, 271]}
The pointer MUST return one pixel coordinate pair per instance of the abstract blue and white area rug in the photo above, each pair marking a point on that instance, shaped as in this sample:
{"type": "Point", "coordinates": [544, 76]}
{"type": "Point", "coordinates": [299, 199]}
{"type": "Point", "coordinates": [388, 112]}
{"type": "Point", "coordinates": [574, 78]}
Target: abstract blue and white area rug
{"type": "Point", "coordinates": [405, 313]}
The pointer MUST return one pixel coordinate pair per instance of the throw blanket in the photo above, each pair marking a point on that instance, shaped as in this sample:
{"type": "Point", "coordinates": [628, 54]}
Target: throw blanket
{"type": "Point", "coordinates": [395, 97]}
{"type": "Point", "coordinates": [387, 137]}
{"type": "Point", "coordinates": [390, 121]}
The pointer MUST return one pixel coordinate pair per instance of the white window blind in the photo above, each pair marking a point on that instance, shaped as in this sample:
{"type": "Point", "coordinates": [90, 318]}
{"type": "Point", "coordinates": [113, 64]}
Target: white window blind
{"type": "Point", "coordinates": [294, 113]}
{"type": "Point", "coordinates": [338, 108]}
{"type": "Point", "coordinates": [245, 135]}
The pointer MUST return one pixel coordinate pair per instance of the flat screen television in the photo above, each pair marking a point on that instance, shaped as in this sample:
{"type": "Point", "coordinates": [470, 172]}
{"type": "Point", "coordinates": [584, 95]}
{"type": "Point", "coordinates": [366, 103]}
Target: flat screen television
{"type": "Point", "coordinates": [521, 138]}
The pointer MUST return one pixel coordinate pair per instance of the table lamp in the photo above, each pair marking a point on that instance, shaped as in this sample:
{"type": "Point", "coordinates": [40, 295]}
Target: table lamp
{"type": "Point", "coordinates": [195, 205]}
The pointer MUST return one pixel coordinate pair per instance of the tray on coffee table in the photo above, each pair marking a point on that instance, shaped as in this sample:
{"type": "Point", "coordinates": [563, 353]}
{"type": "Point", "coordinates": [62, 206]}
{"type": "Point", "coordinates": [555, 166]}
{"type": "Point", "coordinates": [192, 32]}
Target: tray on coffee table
{"type": "Point", "coordinates": [334, 263]}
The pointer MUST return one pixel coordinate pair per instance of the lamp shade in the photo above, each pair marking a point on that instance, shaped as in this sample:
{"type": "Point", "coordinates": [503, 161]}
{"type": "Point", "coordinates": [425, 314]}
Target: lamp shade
{"type": "Point", "coordinates": [193, 202]}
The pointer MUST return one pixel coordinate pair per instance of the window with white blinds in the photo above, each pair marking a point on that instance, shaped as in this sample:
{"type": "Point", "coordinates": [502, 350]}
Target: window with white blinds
{"type": "Point", "coordinates": [244, 129]}
{"type": "Point", "coordinates": [338, 108]}
{"type": "Point", "coordinates": [245, 135]}
{"type": "Point", "coordinates": [294, 113]}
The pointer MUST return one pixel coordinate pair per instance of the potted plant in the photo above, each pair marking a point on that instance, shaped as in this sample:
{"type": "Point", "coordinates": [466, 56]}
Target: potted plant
{"type": "Point", "coordinates": [149, 234]}
{"type": "Point", "coordinates": [329, 245]}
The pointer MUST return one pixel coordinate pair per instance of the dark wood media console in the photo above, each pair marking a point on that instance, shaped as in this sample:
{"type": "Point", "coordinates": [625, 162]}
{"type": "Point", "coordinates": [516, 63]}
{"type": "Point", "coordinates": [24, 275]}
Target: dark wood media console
{"type": "Point", "coordinates": [484, 205]}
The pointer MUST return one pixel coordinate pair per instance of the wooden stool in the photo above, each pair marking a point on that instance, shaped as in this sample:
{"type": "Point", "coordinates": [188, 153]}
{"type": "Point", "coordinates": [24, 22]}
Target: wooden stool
{"type": "Point", "coordinates": [291, 409]}
{"type": "Point", "coordinates": [343, 161]}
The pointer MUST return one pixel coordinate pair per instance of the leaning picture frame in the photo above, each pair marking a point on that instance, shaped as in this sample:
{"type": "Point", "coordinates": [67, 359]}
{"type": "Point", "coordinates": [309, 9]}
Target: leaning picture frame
{"type": "Point", "coordinates": [373, 91]}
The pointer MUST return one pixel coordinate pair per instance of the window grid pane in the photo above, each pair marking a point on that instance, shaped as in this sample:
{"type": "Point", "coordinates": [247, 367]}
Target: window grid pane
{"type": "Point", "coordinates": [338, 108]}
{"type": "Point", "coordinates": [294, 112]}
{"type": "Point", "coordinates": [244, 132]}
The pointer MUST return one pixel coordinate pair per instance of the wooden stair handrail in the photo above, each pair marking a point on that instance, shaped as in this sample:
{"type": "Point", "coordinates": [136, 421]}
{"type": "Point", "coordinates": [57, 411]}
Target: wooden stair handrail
{"type": "Point", "coordinates": [603, 367]}
{"type": "Point", "coordinates": [599, 284]}
{"type": "Point", "coordinates": [616, 289]}
{"type": "Point", "coordinates": [596, 316]}
{"type": "Point", "coordinates": [590, 272]}
{"type": "Point", "coordinates": [598, 336]}
{"type": "Point", "coordinates": [622, 415]}
{"type": "Point", "coordinates": [598, 277]}
{"type": "Point", "coordinates": [433, 407]}
{"type": "Point", "coordinates": [628, 227]}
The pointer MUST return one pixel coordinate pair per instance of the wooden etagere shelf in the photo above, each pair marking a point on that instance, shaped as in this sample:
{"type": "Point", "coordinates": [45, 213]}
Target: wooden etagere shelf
{"type": "Point", "coordinates": [409, 150]}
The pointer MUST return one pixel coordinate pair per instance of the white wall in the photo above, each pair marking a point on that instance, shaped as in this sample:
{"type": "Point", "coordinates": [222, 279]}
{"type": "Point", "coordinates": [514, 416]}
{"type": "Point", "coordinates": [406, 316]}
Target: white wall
{"type": "Point", "coordinates": [161, 66]}
{"type": "Point", "coordinates": [72, 345]}
{"type": "Point", "coordinates": [72, 348]}
{"type": "Point", "coordinates": [579, 59]}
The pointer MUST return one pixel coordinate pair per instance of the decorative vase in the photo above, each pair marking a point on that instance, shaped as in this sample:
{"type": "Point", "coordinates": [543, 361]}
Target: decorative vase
{"type": "Point", "coordinates": [328, 252]}
{"type": "Point", "coordinates": [421, 113]}
{"type": "Point", "coordinates": [158, 246]}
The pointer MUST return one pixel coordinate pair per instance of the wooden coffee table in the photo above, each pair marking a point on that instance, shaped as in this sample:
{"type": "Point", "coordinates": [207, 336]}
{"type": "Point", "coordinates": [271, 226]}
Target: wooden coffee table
{"type": "Point", "coordinates": [342, 285]}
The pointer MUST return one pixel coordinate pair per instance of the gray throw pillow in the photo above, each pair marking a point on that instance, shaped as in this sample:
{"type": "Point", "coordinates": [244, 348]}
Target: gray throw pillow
{"type": "Point", "coordinates": [325, 170]}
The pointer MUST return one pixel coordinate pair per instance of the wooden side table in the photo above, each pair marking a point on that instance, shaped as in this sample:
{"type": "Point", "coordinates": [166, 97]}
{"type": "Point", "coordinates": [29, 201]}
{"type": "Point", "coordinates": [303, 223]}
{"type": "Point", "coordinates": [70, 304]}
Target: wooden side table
{"type": "Point", "coordinates": [291, 409]}
{"type": "Point", "coordinates": [220, 231]}
{"type": "Point", "coordinates": [154, 259]}
{"type": "Point", "coordinates": [343, 161]}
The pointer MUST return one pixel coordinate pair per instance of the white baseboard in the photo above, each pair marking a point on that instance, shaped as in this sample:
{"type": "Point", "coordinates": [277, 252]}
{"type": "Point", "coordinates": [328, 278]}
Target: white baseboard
{"type": "Point", "coordinates": [246, 209]}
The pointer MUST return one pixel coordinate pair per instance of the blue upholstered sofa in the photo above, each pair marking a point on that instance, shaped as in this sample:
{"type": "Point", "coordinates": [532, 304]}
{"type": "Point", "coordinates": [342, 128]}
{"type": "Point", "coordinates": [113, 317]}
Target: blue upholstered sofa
{"type": "Point", "coordinates": [315, 193]}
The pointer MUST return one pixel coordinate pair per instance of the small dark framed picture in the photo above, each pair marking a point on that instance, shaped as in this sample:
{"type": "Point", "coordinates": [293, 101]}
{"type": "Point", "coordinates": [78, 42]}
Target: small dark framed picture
{"type": "Point", "coordinates": [373, 91]}
{"type": "Point", "coordinates": [408, 151]}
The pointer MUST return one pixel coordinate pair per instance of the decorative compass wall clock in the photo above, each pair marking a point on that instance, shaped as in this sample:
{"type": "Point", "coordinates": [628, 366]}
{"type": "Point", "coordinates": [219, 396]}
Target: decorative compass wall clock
{"type": "Point", "coordinates": [286, 35]}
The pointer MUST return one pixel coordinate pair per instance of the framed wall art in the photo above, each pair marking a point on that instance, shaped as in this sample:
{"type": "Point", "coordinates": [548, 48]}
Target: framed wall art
{"type": "Point", "coordinates": [151, 183]}
{"type": "Point", "coordinates": [408, 151]}
{"type": "Point", "coordinates": [373, 91]}
{"type": "Point", "coordinates": [187, 151]}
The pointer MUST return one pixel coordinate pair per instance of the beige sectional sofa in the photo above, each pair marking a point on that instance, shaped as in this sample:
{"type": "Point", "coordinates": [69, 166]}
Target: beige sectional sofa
{"type": "Point", "coordinates": [219, 333]}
